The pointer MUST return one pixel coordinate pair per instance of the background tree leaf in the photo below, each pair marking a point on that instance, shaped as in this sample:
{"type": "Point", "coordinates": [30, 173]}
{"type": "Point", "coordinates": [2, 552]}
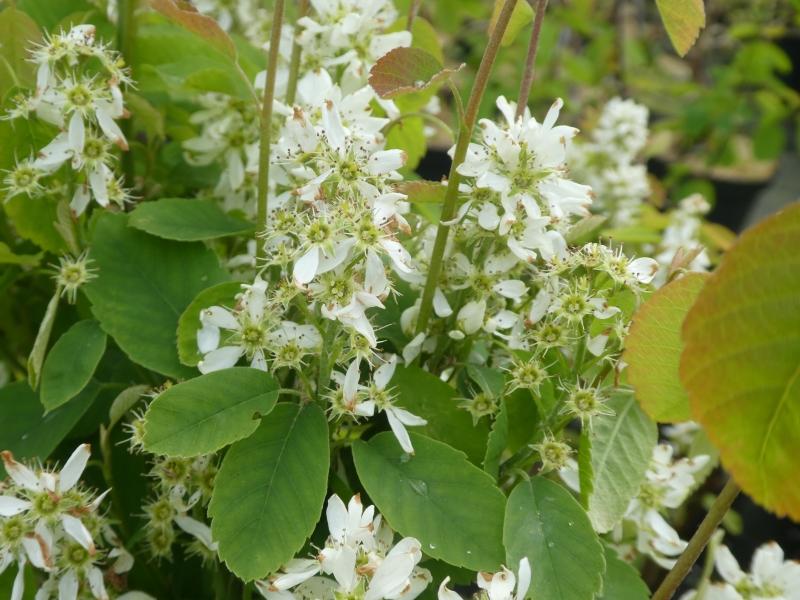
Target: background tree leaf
{"type": "Point", "coordinates": [71, 363]}
{"type": "Point", "coordinates": [653, 349]}
{"type": "Point", "coordinates": [209, 412]}
{"type": "Point", "coordinates": [144, 284]}
{"type": "Point", "coordinates": [18, 33]}
{"type": "Point", "coordinates": [546, 524]}
{"type": "Point", "coordinates": [187, 220]}
{"type": "Point", "coordinates": [184, 13]}
{"type": "Point", "coordinates": [269, 491]}
{"type": "Point", "coordinates": [683, 20]}
{"type": "Point", "coordinates": [451, 506]}
{"type": "Point", "coordinates": [741, 361]}
{"type": "Point", "coordinates": [622, 445]}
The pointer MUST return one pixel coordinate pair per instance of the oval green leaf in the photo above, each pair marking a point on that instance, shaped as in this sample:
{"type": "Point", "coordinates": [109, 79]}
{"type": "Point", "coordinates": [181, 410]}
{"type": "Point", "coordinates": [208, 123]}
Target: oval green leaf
{"type": "Point", "coordinates": [187, 220]}
{"type": "Point", "coordinates": [621, 581]}
{"type": "Point", "coordinates": [653, 349]}
{"type": "Point", "coordinates": [407, 70]}
{"type": "Point", "coordinates": [622, 445]}
{"type": "Point", "coordinates": [436, 496]}
{"type": "Point", "coordinates": [209, 412]}
{"type": "Point", "coordinates": [741, 361]}
{"type": "Point", "coordinates": [143, 286]}
{"type": "Point", "coordinates": [683, 20]}
{"type": "Point", "coordinates": [269, 491]}
{"type": "Point", "coordinates": [222, 294]}
{"type": "Point", "coordinates": [546, 524]}
{"type": "Point", "coordinates": [71, 363]}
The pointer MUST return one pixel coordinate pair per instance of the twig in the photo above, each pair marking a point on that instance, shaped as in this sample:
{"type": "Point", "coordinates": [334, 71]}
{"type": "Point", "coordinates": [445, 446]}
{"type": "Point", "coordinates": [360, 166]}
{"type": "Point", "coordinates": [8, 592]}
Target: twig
{"type": "Point", "coordinates": [294, 61]}
{"type": "Point", "coordinates": [530, 61]}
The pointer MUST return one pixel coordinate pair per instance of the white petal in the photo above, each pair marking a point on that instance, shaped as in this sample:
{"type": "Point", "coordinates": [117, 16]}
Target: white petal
{"type": "Point", "coordinates": [350, 387]}
{"type": "Point", "coordinates": [727, 566]}
{"type": "Point", "coordinates": [643, 269]}
{"type": "Point", "coordinates": [399, 431]}
{"type": "Point", "coordinates": [68, 586]}
{"type": "Point", "coordinates": [390, 577]}
{"type": "Point", "coordinates": [488, 218]}
{"type": "Point", "coordinates": [296, 572]}
{"type": "Point", "coordinates": [73, 469]}
{"type": "Point", "coordinates": [11, 505]}
{"type": "Point", "coordinates": [207, 339]}
{"type": "Point", "coordinates": [18, 589]}
{"type": "Point", "coordinates": [109, 127]}
{"type": "Point", "coordinates": [445, 593]}
{"type": "Point", "coordinates": [407, 418]}
{"type": "Point", "coordinates": [440, 304]}
{"type": "Point", "coordinates": [20, 474]}
{"type": "Point", "coordinates": [470, 317]}
{"type": "Point", "coordinates": [385, 161]}
{"type": "Point", "coordinates": [399, 255]}
{"type": "Point", "coordinates": [77, 133]}
{"type": "Point", "coordinates": [221, 358]}
{"type": "Point", "coordinates": [80, 199]}
{"type": "Point", "coordinates": [767, 562]}
{"type": "Point", "coordinates": [336, 514]}
{"type": "Point", "coordinates": [513, 289]}
{"type": "Point", "coordinates": [305, 269]}
{"type": "Point", "coordinates": [524, 581]}
{"type": "Point", "coordinates": [195, 528]}
{"type": "Point", "coordinates": [384, 373]}
{"type": "Point", "coordinates": [96, 584]}
{"type": "Point", "coordinates": [77, 531]}
{"type": "Point", "coordinates": [99, 185]}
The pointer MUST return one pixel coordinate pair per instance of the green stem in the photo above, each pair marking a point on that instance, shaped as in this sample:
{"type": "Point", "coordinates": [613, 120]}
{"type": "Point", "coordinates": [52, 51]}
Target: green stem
{"type": "Point", "coordinates": [126, 42]}
{"type": "Point", "coordinates": [449, 207]}
{"type": "Point", "coordinates": [266, 122]}
{"type": "Point", "coordinates": [699, 540]}
{"type": "Point", "coordinates": [530, 60]}
{"type": "Point", "coordinates": [294, 61]}
{"type": "Point", "coordinates": [708, 567]}
{"type": "Point", "coordinates": [422, 115]}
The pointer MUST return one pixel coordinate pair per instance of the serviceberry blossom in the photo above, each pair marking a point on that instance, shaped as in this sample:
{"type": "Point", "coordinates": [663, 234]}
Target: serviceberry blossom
{"type": "Point", "coordinates": [84, 105]}
{"type": "Point", "coordinates": [358, 560]}
{"type": "Point", "coordinates": [683, 233]}
{"type": "Point", "coordinates": [770, 576]}
{"type": "Point", "coordinates": [52, 522]}
{"type": "Point", "coordinates": [352, 399]}
{"type": "Point", "coordinates": [497, 586]}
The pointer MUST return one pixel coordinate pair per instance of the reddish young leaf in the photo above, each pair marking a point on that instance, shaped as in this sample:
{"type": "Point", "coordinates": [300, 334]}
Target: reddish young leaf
{"type": "Point", "coordinates": [186, 15]}
{"type": "Point", "coordinates": [406, 70]}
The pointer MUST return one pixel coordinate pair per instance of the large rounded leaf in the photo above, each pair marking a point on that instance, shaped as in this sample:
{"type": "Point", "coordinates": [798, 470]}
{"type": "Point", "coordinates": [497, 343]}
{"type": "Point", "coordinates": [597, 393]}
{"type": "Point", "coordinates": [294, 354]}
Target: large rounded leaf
{"type": "Point", "coordinates": [547, 525]}
{"type": "Point", "coordinates": [269, 491]}
{"type": "Point", "coordinates": [653, 349]}
{"type": "Point", "coordinates": [187, 220]}
{"type": "Point", "coordinates": [71, 363]}
{"type": "Point", "coordinates": [436, 496]}
{"type": "Point", "coordinates": [741, 363]}
{"type": "Point", "coordinates": [209, 412]}
{"type": "Point", "coordinates": [144, 284]}
{"type": "Point", "coordinates": [622, 445]}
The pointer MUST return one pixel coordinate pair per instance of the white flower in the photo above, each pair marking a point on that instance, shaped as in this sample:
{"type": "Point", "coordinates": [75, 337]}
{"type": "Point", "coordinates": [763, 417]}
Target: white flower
{"type": "Point", "coordinates": [497, 586]}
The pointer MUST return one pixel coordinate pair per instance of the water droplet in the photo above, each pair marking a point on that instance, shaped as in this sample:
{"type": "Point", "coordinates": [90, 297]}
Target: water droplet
{"type": "Point", "coordinates": [551, 544]}
{"type": "Point", "coordinates": [432, 546]}
{"type": "Point", "coordinates": [570, 523]}
{"type": "Point", "coordinates": [469, 551]}
{"type": "Point", "coordinates": [419, 486]}
{"type": "Point", "coordinates": [404, 458]}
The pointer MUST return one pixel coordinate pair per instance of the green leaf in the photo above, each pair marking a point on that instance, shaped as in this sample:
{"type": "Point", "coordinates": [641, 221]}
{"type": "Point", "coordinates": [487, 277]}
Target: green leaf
{"type": "Point", "coordinates": [622, 445]}
{"type": "Point", "coordinates": [36, 357]}
{"type": "Point", "coordinates": [407, 70]}
{"type": "Point", "coordinates": [432, 399]}
{"type": "Point", "coordinates": [18, 33]}
{"type": "Point", "coordinates": [585, 230]}
{"type": "Point", "coordinates": [741, 361]}
{"type": "Point", "coordinates": [621, 581]}
{"type": "Point", "coordinates": [683, 20]}
{"type": "Point", "coordinates": [520, 17]}
{"type": "Point", "coordinates": [222, 294]}
{"type": "Point", "coordinates": [35, 219]}
{"type": "Point", "coordinates": [71, 363]}
{"type": "Point", "coordinates": [423, 192]}
{"type": "Point", "coordinates": [437, 496]}
{"type": "Point", "coordinates": [209, 412]}
{"type": "Point", "coordinates": [546, 524]}
{"type": "Point", "coordinates": [497, 442]}
{"type": "Point", "coordinates": [7, 257]}
{"type": "Point", "coordinates": [269, 491]}
{"type": "Point", "coordinates": [28, 433]}
{"type": "Point", "coordinates": [144, 283]}
{"type": "Point", "coordinates": [187, 220]}
{"type": "Point", "coordinates": [653, 349]}
{"type": "Point", "coordinates": [408, 134]}
{"type": "Point", "coordinates": [125, 400]}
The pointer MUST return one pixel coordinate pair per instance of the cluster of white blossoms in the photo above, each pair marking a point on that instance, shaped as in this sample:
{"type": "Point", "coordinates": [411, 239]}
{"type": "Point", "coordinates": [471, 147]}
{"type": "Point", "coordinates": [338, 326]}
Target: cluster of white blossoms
{"type": "Point", "coordinates": [668, 482]}
{"type": "Point", "coordinates": [359, 560]}
{"type": "Point", "coordinates": [79, 86]}
{"type": "Point", "coordinates": [49, 520]}
{"type": "Point", "coordinates": [770, 576]}
{"type": "Point", "coordinates": [609, 161]}
{"type": "Point", "coordinates": [683, 234]}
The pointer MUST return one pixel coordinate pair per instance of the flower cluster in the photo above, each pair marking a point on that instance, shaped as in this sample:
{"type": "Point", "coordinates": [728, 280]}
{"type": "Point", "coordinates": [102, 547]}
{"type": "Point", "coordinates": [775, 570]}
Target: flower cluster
{"type": "Point", "coordinates": [770, 577]}
{"type": "Point", "coordinates": [667, 484]}
{"type": "Point", "coordinates": [49, 520]}
{"type": "Point", "coordinates": [79, 91]}
{"type": "Point", "coordinates": [359, 560]}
